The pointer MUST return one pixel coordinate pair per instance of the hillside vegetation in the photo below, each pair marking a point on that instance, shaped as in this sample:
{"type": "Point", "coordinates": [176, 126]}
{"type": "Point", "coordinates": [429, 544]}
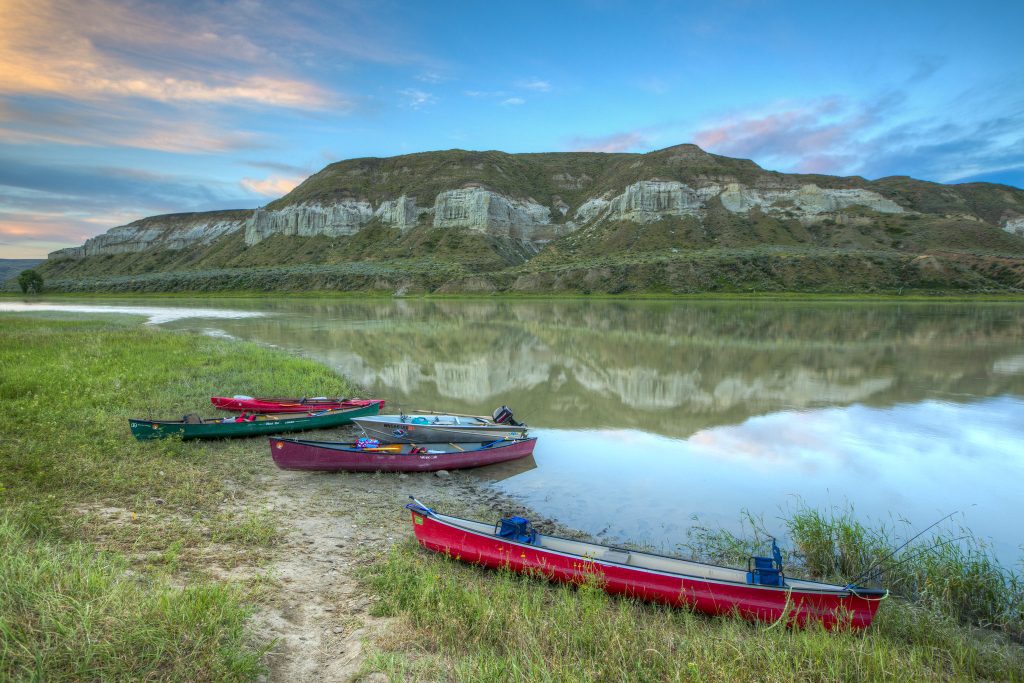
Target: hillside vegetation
{"type": "Point", "coordinates": [944, 237]}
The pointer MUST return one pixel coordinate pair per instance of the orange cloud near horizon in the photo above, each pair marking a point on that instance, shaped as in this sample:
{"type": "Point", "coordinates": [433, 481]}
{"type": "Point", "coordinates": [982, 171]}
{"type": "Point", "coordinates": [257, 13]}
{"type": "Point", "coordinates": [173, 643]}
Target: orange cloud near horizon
{"type": "Point", "coordinates": [274, 186]}
{"type": "Point", "coordinates": [53, 49]}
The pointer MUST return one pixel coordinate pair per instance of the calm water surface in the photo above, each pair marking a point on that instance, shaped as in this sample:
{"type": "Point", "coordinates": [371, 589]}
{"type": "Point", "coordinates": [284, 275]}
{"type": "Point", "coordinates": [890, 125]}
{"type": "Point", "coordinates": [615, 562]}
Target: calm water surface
{"type": "Point", "coordinates": [654, 417]}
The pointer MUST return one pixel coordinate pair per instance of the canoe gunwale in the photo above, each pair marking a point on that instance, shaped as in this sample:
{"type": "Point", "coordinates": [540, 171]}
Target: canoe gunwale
{"type": "Point", "coordinates": [400, 429]}
{"type": "Point", "coordinates": [144, 430]}
{"type": "Point", "coordinates": [826, 589]}
{"type": "Point", "coordinates": [264, 405]}
{"type": "Point", "coordinates": [337, 445]}
{"type": "Point", "coordinates": [300, 454]}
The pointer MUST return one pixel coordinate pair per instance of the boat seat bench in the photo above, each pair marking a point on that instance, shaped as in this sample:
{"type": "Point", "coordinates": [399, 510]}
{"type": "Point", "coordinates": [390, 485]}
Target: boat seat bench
{"type": "Point", "coordinates": [620, 556]}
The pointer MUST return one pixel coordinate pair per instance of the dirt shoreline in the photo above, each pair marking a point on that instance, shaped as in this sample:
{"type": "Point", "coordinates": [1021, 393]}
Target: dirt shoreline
{"type": "Point", "coordinates": [332, 525]}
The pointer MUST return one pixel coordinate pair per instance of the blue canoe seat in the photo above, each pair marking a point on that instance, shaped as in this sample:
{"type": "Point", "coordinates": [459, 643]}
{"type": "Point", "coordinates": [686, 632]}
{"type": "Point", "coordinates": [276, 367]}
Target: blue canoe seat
{"type": "Point", "coordinates": [766, 571]}
{"type": "Point", "coordinates": [516, 529]}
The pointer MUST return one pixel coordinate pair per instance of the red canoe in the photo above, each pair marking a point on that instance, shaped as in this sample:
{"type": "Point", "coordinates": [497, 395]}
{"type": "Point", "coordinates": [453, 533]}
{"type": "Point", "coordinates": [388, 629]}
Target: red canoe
{"type": "Point", "coordinates": [297, 454]}
{"type": "Point", "coordinates": [289, 405]}
{"type": "Point", "coordinates": [705, 587]}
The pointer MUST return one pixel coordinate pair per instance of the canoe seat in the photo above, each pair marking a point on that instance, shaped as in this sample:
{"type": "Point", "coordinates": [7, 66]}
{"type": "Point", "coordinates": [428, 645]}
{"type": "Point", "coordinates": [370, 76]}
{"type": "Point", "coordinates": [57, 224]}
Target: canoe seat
{"type": "Point", "coordinates": [612, 555]}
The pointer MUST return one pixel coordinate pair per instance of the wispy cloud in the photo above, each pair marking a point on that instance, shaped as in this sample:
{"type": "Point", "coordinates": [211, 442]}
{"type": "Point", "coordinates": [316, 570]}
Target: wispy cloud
{"type": "Point", "coordinates": [655, 85]}
{"type": "Point", "coordinates": [836, 135]}
{"type": "Point", "coordinates": [61, 203]}
{"type": "Point", "coordinates": [512, 95]}
{"type": "Point", "coordinates": [273, 186]}
{"type": "Point", "coordinates": [794, 133]}
{"type": "Point", "coordinates": [534, 84]}
{"type": "Point", "coordinates": [616, 142]}
{"type": "Point", "coordinates": [417, 99]}
{"type": "Point", "coordinates": [90, 50]}
{"type": "Point", "coordinates": [485, 93]}
{"type": "Point", "coordinates": [83, 124]}
{"type": "Point", "coordinates": [288, 169]}
{"type": "Point", "coordinates": [431, 77]}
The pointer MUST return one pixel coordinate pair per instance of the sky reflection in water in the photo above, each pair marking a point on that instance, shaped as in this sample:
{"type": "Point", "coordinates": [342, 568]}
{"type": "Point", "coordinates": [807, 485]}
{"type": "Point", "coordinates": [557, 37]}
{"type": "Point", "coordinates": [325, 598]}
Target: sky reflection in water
{"type": "Point", "coordinates": [920, 460]}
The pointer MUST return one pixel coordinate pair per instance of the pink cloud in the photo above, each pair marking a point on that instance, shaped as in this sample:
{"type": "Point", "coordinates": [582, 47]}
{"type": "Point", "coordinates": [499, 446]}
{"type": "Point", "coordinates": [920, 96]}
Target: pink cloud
{"type": "Point", "coordinates": [63, 49]}
{"type": "Point", "coordinates": [34, 236]}
{"type": "Point", "coordinates": [274, 186]}
{"type": "Point", "coordinates": [811, 137]}
{"type": "Point", "coordinates": [616, 142]}
{"type": "Point", "coordinates": [119, 126]}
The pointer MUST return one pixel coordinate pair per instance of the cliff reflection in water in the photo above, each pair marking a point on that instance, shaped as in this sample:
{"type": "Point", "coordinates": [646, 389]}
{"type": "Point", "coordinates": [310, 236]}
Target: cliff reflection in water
{"type": "Point", "coordinates": [667, 367]}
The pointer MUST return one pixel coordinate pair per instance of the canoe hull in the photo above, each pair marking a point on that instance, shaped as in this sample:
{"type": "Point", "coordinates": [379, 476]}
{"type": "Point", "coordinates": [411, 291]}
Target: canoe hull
{"type": "Point", "coordinates": [756, 603]}
{"type": "Point", "coordinates": [144, 430]}
{"type": "Point", "coordinates": [388, 430]}
{"type": "Point", "coordinates": [292, 454]}
{"type": "Point", "coordinates": [289, 405]}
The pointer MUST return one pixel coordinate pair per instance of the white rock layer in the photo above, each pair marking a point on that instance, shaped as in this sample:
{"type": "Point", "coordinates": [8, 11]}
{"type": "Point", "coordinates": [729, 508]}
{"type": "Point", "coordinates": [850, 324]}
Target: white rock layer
{"type": "Point", "coordinates": [335, 220]}
{"type": "Point", "coordinates": [808, 200]}
{"type": "Point", "coordinates": [489, 212]}
{"type": "Point", "coordinates": [1014, 226]}
{"type": "Point", "coordinates": [153, 235]}
{"type": "Point", "coordinates": [401, 213]}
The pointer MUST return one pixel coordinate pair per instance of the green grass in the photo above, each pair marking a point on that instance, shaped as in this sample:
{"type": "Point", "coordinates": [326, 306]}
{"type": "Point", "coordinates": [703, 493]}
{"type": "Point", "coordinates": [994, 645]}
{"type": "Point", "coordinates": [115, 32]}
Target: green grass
{"type": "Point", "coordinates": [72, 613]}
{"type": "Point", "coordinates": [468, 623]}
{"type": "Point", "coordinates": [559, 269]}
{"type": "Point", "coordinates": [155, 515]}
{"type": "Point", "coordinates": [948, 571]}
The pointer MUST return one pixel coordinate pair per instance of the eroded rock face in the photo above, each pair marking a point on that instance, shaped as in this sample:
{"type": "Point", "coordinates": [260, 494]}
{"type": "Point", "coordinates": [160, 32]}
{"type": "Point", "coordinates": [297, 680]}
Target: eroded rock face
{"type": "Point", "coordinates": [489, 212]}
{"type": "Point", "coordinates": [344, 218]}
{"type": "Point", "coordinates": [492, 213]}
{"type": "Point", "coordinates": [152, 234]}
{"type": "Point", "coordinates": [809, 200]}
{"type": "Point", "coordinates": [649, 200]}
{"type": "Point", "coordinates": [591, 209]}
{"type": "Point", "coordinates": [401, 213]}
{"type": "Point", "coordinates": [1014, 226]}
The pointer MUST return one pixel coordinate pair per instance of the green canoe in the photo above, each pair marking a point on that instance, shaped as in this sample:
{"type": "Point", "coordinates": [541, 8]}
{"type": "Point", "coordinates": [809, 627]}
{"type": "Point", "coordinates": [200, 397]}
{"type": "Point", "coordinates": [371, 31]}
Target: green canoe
{"type": "Point", "coordinates": [195, 427]}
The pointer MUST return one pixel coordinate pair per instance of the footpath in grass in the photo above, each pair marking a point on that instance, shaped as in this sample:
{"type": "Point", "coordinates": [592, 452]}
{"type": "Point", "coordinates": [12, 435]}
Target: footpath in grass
{"type": "Point", "coordinates": [109, 552]}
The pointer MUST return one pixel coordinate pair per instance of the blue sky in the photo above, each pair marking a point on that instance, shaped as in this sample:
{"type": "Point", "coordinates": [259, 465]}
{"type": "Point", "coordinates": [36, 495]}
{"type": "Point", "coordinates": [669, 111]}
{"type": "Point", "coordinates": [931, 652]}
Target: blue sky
{"type": "Point", "coordinates": [111, 111]}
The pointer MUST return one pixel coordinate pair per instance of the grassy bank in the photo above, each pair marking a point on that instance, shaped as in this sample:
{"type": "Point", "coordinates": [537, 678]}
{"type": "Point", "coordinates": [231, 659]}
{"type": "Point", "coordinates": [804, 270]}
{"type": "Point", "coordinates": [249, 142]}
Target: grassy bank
{"type": "Point", "coordinates": [739, 269]}
{"type": "Point", "coordinates": [97, 532]}
{"type": "Point", "coordinates": [931, 296]}
{"type": "Point", "coordinates": [472, 624]}
{"type": "Point", "coordinates": [955, 615]}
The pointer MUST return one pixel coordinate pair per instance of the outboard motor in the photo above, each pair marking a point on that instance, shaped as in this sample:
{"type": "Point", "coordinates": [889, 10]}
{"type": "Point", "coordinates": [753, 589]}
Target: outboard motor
{"type": "Point", "coordinates": [503, 415]}
{"type": "Point", "coordinates": [516, 529]}
{"type": "Point", "coordinates": [766, 571]}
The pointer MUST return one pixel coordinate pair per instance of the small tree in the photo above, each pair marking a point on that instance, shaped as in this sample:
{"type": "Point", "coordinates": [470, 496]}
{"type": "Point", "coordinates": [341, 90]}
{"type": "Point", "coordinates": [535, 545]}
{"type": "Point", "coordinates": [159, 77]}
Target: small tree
{"type": "Point", "coordinates": [30, 282]}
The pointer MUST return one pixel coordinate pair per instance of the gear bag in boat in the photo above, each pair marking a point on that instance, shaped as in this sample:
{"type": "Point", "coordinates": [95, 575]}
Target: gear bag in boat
{"type": "Point", "coordinates": [516, 529]}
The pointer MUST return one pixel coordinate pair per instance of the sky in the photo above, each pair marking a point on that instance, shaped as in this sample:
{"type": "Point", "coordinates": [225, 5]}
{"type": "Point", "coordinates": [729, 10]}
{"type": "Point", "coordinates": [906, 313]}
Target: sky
{"type": "Point", "coordinates": [115, 110]}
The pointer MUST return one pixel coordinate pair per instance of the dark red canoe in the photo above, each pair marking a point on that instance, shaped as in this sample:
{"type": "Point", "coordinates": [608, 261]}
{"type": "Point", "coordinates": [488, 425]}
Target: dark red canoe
{"type": "Point", "coordinates": [704, 587]}
{"type": "Point", "coordinates": [289, 405]}
{"type": "Point", "coordinates": [297, 454]}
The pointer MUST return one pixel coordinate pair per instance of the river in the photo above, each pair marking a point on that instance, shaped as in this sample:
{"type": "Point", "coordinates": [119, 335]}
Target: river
{"type": "Point", "coordinates": [658, 416]}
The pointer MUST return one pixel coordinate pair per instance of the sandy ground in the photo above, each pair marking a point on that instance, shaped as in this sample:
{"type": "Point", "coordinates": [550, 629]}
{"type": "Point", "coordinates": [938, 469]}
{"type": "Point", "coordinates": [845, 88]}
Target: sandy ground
{"type": "Point", "coordinates": [334, 523]}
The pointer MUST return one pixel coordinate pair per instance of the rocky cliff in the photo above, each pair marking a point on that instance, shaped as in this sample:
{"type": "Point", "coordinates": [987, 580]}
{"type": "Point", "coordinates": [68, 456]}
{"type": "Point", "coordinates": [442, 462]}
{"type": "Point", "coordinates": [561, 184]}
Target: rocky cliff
{"type": "Point", "coordinates": [173, 232]}
{"type": "Point", "coordinates": [561, 207]}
